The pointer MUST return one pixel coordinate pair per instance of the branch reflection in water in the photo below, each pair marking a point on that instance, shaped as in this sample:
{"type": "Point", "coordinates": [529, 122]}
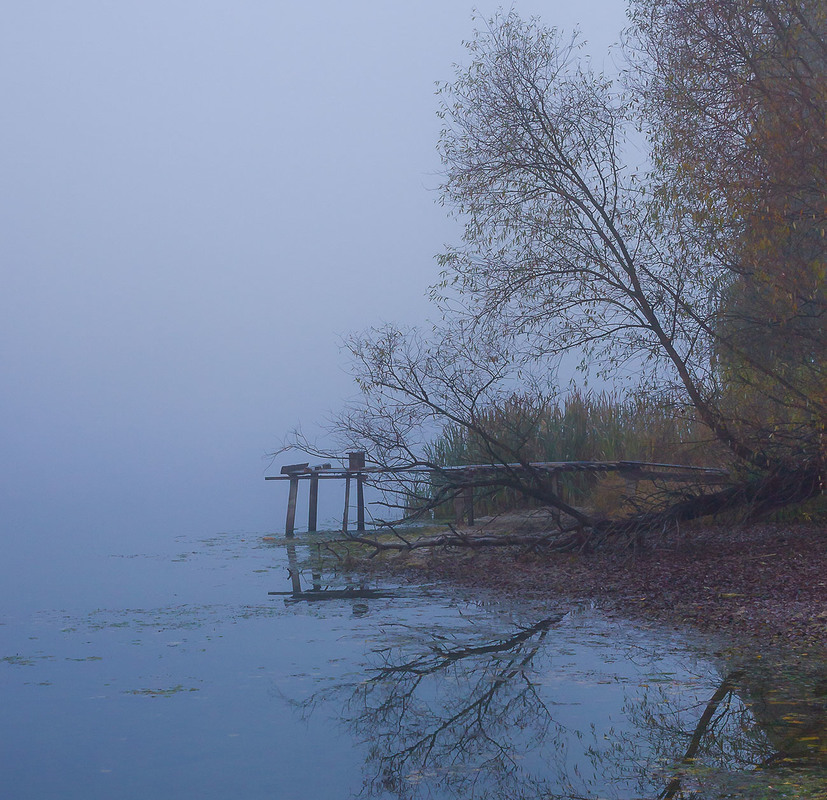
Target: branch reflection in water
{"type": "Point", "coordinates": [467, 711]}
{"type": "Point", "coordinates": [440, 716]}
{"type": "Point", "coordinates": [463, 728]}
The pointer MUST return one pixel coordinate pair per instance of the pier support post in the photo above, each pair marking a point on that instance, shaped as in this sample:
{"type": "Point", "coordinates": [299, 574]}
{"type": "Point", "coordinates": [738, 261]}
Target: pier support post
{"type": "Point", "coordinates": [360, 501]}
{"type": "Point", "coordinates": [459, 507]}
{"type": "Point", "coordinates": [291, 506]}
{"type": "Point", "coordinates": [316, 569]}
{"type": "Point", "coordinates": [347, 503]}
{"type": "Point", "coordinates": [469, 504]}
{"type": "Point", "coordinates": [312, 513]}
{"type": "Point", "coordinates": [355, 463]}
{"type": "Point", "coordinates": [630, 482]}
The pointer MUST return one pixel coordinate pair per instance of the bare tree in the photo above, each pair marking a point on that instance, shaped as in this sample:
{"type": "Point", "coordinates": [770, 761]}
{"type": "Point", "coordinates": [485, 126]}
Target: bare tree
{"type": "Point", "coordinates": [413, 386]}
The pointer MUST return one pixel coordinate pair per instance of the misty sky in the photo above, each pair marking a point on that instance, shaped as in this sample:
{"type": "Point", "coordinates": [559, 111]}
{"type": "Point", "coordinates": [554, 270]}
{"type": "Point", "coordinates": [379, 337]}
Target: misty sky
{"type": "Point", "coordinates": [198, 199]}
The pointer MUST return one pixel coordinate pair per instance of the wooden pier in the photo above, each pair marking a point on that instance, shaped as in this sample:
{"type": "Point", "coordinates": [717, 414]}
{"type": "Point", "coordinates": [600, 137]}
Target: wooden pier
{"type": "Point", "coordinates": [297, 472]}
{"type": "Point", "coordinates": [463, 479]}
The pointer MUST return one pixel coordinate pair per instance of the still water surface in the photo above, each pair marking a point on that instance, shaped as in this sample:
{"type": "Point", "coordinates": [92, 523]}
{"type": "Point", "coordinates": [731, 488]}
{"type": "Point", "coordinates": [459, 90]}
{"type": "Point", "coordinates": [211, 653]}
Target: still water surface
{"type": "Point", "coordinates": [211, 688]}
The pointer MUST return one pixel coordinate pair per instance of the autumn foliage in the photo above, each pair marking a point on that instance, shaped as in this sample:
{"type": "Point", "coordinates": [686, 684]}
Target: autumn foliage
{"type": "Point", "coordinates": [737, 97]}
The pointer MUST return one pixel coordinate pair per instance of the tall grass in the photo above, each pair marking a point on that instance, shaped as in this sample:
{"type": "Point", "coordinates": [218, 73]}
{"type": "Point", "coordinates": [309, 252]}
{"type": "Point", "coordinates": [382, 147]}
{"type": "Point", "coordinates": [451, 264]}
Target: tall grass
{"type": "Point", "coordinates": [583, 427]}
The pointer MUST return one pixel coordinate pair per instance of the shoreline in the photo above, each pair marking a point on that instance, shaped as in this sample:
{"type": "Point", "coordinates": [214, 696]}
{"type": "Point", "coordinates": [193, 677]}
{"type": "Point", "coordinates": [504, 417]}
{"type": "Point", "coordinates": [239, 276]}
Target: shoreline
{"type": "Point", "coordinates": [765, 582]}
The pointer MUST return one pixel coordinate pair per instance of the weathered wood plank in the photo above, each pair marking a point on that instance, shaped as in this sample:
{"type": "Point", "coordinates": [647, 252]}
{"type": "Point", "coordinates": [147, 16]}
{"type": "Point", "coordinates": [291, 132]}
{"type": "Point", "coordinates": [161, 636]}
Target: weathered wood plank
{"type": "Point", "coordinates": [289, 469]}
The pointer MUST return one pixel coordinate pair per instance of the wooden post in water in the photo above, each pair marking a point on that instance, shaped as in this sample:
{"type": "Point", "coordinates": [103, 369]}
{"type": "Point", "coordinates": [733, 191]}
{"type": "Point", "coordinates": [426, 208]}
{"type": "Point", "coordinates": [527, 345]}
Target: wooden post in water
{"type": "Point", "coordinates": [360, 501]}
{"type": "Point", "coordinates": [291, 506]}
{"type": "Point", "coordinates": [630, 482]}
{"type": "Point", "coordinates": [316, 569]}
{"type": "Point", "coordinates": [356, 463]}
{"type": "Point", "coordinates": [293, 471]}
{"type": "Point", "coordinates": [312, 513]}
{"type": "Point", "coordinates": [347, 503]}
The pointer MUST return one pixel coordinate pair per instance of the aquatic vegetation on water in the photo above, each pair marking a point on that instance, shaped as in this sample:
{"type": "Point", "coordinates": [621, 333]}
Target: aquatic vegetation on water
{"type": "Point", "coordinates": [18, 660]}
{"type": "Point", "coordinates": [161, 692]}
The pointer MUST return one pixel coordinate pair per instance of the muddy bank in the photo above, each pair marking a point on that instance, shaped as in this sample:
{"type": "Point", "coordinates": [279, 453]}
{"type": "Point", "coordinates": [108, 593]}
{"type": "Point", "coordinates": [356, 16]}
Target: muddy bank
{"type": "Point", "coordinates": [767, 581]}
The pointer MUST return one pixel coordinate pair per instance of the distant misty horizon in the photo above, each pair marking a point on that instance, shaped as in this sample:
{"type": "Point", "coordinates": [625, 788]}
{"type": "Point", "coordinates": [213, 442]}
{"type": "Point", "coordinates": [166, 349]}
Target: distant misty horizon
{"type": "Point", "coordinates": [200, 200]}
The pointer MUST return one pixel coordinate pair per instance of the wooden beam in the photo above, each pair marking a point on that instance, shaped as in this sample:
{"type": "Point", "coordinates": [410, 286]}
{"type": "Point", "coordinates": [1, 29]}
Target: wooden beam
{"type": "Point", "coordinates": [291, 468]}
{"type": "Point", "coordinates": [329, 476]}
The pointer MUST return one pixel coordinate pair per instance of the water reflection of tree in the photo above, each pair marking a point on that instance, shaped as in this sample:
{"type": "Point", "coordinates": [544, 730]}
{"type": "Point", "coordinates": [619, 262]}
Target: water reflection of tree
{"type": "Point", "coordinates": [467, 735]}
{"type": "Point", "coordinates": [750, 727]}
{"type": "Point", "coordinates": [717, 733]}
{"type": "Point", "coordinates": [444, 718]}
{"type": "Point", "coordinates": [455, 720]}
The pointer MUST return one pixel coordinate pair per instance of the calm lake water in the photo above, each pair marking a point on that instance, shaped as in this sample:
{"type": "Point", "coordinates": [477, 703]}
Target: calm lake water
{"type": "Point", "coordinates": [176, 675]}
